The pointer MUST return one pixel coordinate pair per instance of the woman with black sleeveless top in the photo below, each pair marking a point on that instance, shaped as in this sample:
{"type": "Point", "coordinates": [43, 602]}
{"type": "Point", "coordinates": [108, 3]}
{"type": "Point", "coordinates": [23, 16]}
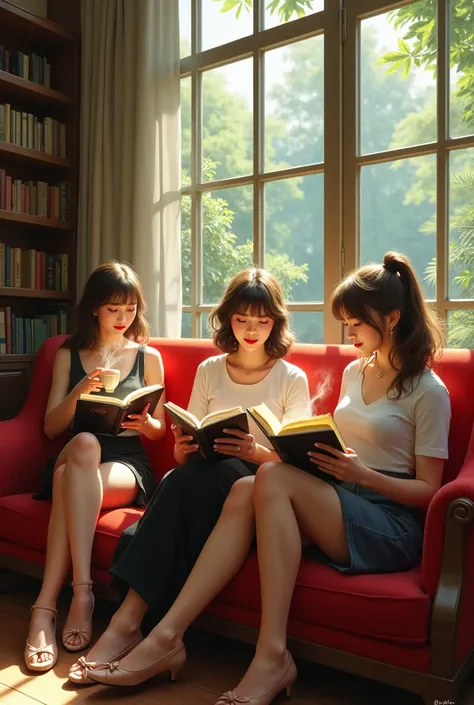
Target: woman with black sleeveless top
{"type": "Point", "coordinates": [93, 472]}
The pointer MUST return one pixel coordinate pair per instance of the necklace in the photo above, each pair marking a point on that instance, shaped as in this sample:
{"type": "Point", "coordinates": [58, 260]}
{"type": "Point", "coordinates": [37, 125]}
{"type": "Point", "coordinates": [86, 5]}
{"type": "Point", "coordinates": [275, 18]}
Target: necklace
{"type": "Point", "coordinates": [254, 369]}
{"type": "Point", "coordinates": [380, 372]}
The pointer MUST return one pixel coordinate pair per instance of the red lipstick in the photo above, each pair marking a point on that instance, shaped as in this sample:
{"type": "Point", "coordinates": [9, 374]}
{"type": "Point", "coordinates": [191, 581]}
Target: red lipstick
{"type": "Point", "coordinates": [250, 341]}
{"type": "Point", "coordinates": [119, 327]}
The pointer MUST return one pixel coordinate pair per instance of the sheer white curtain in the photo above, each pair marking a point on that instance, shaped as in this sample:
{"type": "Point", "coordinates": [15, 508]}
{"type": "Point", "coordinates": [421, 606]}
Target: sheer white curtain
{"type": "Point", "coordinates": [129, 196]}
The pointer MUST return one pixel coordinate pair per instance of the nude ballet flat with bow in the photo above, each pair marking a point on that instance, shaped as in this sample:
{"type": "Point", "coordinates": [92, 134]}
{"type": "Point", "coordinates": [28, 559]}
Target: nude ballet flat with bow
{"type": "Point", "coordinates": [51, 649]}
{"type": "Point", "coordinates": [85, 632]}
{"type": "Point", "coordinates": [82, 677]}
{"type": "Point", "coordinates": [115, 675]}
{"type": "Point", "coordinates": [284, 682]}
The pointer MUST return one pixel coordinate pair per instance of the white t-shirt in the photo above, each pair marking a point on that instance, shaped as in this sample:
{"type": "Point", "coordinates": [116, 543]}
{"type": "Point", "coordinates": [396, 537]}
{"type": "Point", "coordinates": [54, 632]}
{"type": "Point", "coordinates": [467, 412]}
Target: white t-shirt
{"type": "Point", "coordinates": [389, 433]}
{"type": "Point", "coordinates": [284, 390]}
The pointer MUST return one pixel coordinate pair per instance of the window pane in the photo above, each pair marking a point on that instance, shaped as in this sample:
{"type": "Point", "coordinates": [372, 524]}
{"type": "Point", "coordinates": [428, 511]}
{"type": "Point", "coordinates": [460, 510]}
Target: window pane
{"type": "Point", "coordinates": [461, 107]}
{"type": "Point", "coordinates": [294, 227]}
{"type": "Point", "coordinates": [461, 224]}
{"type": "Point", "coordinates": [186, 325]}
{"type": "Point", "coordinates": [294, 104]}
{"type": "Point", "coordinates": [227, 218]}
{"type": "Point", "coordinates": [397, 92]}
{"type": "Point", "coordinates": [308, 326]}
{"type": "Point", "coordinates": [186, 130]}
{"type": "Point", "coordinates": [281, 12]}
{"type": "Point", "coordinates": [222, 24]}
{"type": "Point", "coordinates": [186, 249]}
{"type": "Point", "coordinates": [461, 329]}
{"type": "Point", "coordinates": [398, 213]}
{"type": "Point", "coordinates": [227, 121]}
{"type": "Point", "coordinates": [205, 332]}
{"type": "Point", "coordinates": [184, 28]}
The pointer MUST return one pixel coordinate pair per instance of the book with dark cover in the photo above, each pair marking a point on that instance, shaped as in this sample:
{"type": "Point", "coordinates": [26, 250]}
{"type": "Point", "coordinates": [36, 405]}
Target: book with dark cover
{"type": "Point", "coordinates": [207, 429]}
{"type": "Point", "coordinates": [98, 413]}
{"type": "Point", "coordinates": [295, 439]}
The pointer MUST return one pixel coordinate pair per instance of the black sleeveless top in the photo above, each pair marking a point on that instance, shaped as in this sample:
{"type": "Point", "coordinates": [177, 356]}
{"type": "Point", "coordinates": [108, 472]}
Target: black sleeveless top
{"type": "Point", "coordinates": [134, 380]}
{"type": "Point", "coordinates": [126, 448]}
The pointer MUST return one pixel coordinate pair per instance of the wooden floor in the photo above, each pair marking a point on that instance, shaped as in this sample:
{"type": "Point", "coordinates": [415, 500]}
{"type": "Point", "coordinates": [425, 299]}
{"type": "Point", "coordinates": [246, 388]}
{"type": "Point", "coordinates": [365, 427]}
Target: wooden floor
{"type": "Point", "coordinates": [214, 665]}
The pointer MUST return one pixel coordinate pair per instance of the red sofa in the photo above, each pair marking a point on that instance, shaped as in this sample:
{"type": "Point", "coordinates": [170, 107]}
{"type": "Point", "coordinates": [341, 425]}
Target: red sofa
{"type": "Point", "coordinates": [413, 629]}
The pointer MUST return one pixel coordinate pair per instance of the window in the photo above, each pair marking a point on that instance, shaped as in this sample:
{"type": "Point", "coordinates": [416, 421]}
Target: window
{"type": "Point", "coordinates": [276, 173]}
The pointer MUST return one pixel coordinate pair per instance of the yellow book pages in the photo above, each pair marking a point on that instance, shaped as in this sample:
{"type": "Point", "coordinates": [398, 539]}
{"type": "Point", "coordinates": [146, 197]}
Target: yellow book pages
{"type": "Point", "coordinates": [267, 418]}
{"type": "Point", "coordinates": [103, 400]}
{"type": "Point", "coordinates": [220, 416]}
{"type": "Point", "coordinates": [136, 394]}
{"type": "Point", "coordinates": [183, 414]}
{"type": "Point", "coordinates": [314, 422]}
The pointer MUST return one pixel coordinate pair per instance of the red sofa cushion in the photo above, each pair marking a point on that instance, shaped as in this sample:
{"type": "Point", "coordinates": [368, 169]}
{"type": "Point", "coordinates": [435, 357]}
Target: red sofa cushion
{"type": "Point", "coordinates": [390, 606]}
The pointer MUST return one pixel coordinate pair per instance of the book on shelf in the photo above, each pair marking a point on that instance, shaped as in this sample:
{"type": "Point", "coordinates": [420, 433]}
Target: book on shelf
{"type": "Point", "coordinates": [34, 197]}
{"type": "Point", "coordinates": [104, 414]}
{"type": "Point", "coordinates": [31, 269]}
{"type": "Point", "coordinates": [210, 427]}
{"type": "Point", "coordinates": [30, 66]}
{"type": "Point", "coordinates": [27, 130]}
{"type": "Point", "coordinates": [24, 336]}
{"type": "Point", "coordinates": [293, 440]}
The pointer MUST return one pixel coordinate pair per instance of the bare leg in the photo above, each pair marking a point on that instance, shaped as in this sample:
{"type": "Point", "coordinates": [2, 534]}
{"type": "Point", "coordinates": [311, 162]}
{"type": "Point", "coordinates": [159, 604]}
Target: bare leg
{"type": "Point", "coordinates": [286, 501]}
{"type": "Point", "coordinates": [41, 631]}
{"type": "Point", "coordinates": [221, 558]}
{"type": "Point", "coordinates": [89, 487]}
{"type": "Point", "coordinates": [72, 526]}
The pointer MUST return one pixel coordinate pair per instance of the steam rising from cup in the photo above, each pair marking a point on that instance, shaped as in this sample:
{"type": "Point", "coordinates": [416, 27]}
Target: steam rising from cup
{"type": "Point", "coordinates": [110, 376]}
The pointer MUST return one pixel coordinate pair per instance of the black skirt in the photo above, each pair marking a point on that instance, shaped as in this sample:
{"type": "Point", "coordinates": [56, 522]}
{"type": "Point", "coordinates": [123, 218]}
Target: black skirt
{"type": "Point", "coordinates": [155, 555]}
{"type": "Point", "coordinates": [128, 451]}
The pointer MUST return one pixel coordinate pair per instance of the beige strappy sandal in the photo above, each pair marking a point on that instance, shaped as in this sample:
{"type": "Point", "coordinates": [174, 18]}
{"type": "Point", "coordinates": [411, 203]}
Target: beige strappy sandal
{"type": "Point", "coordinates": [85, 632]}
{"type": "Point", "coordinates": [51, 649]}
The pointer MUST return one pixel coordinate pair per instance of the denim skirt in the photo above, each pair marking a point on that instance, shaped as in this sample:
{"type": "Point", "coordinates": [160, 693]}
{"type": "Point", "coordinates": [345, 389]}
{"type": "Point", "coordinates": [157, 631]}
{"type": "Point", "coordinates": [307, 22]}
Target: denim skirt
{"type": "Point", "coordinates": [383, 536]}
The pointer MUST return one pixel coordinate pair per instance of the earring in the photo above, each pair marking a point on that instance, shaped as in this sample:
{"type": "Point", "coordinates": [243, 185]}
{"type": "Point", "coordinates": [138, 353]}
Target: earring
{"type": "Point", "coordinates": [391, 331]}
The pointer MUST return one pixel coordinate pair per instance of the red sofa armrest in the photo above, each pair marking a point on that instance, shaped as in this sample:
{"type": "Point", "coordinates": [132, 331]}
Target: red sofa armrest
{"type": "Point", "coordinates": [462, 488]}
{"type": "Point", "coordinates": [448, 569]}
{"type": "Point", "coordinates": [24, 448]}
{"type": "Point", "coordinates": [24, 451]}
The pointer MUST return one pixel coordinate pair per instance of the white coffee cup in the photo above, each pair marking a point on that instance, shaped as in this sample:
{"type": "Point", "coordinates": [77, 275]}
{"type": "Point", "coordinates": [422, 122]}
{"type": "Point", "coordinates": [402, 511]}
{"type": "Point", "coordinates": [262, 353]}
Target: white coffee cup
{"type": "Point", "coordinates": [110, 379]}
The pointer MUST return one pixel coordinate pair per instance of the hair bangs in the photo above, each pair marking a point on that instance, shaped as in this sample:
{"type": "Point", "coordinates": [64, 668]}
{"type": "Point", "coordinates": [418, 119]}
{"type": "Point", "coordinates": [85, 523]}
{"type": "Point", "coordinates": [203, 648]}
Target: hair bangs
{"type": "Point", "coordinates": [254, 300]}
{"type": "Point", "coordinates": [348, 303]}
{"type": "Point", "coordinates": [121, 292]}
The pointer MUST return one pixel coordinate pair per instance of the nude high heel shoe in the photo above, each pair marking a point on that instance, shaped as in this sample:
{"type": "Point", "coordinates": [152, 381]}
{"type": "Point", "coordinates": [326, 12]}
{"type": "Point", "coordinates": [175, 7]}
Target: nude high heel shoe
{"type": "Point", "coordinates": [83, 667]}
{"type": "Point", "coordinates": [283, 683]}
{"type": "Point", "coordinates": [51, 649]}
{"type": "Point", "coordinates": [84, 633]}
{"type": "Point", "coordinates": [115, 675]}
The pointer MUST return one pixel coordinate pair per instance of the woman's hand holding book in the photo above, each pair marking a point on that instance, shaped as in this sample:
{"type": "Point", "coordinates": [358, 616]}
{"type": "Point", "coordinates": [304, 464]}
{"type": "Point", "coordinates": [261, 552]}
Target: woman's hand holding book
{"type": "Point", "coordinates": [185, 444]}
{"type": "Point", "coordinates": [243, 446]}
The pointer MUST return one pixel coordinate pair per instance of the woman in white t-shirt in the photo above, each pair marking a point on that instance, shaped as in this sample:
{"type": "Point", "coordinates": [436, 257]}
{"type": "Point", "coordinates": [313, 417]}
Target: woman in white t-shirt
{"type": "Point", "coordinates": [155, 557]}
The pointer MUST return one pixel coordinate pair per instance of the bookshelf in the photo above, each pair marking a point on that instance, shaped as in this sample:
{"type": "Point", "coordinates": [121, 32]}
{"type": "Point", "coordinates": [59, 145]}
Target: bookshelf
{"type": "Point", "coordinates": [39, 132]}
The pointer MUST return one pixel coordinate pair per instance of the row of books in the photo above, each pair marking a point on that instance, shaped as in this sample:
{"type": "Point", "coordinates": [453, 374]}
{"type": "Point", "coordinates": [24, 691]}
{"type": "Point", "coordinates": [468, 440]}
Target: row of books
{"type": "Point", "coordinates": [31, 67]}
{"type": "Point", "coordinates": [27, 130]}
{"type": "Point", "coordinates": [24, 336]}
{"type": "Point", "coordinates": [31, 269]}
{"type": "Point", "coordinates": [34, 197]}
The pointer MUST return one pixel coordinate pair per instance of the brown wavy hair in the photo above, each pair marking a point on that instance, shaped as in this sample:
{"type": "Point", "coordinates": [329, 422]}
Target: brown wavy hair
{"type": "Point", "coordinates": [257, 292]}
{"type": "Point", "coordinates": [112, 283]}
{"type": "Point", "coordinates": [380, 289]}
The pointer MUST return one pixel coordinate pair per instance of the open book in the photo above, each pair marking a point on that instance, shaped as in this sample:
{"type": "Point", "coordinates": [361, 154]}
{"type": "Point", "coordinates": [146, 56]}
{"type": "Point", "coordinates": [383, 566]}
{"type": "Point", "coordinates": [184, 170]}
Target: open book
{"type": "Point", "coordinates": [101, 413]}
{"type": "Point", "coordinates": [293, 440]}
{"type": "Point", "coordinates": [210, 427]}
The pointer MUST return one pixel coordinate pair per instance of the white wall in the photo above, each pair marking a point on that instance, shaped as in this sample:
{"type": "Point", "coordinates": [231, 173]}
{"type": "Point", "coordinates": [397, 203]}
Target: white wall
{"type": "Point", "coordinates": [39, 7]}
